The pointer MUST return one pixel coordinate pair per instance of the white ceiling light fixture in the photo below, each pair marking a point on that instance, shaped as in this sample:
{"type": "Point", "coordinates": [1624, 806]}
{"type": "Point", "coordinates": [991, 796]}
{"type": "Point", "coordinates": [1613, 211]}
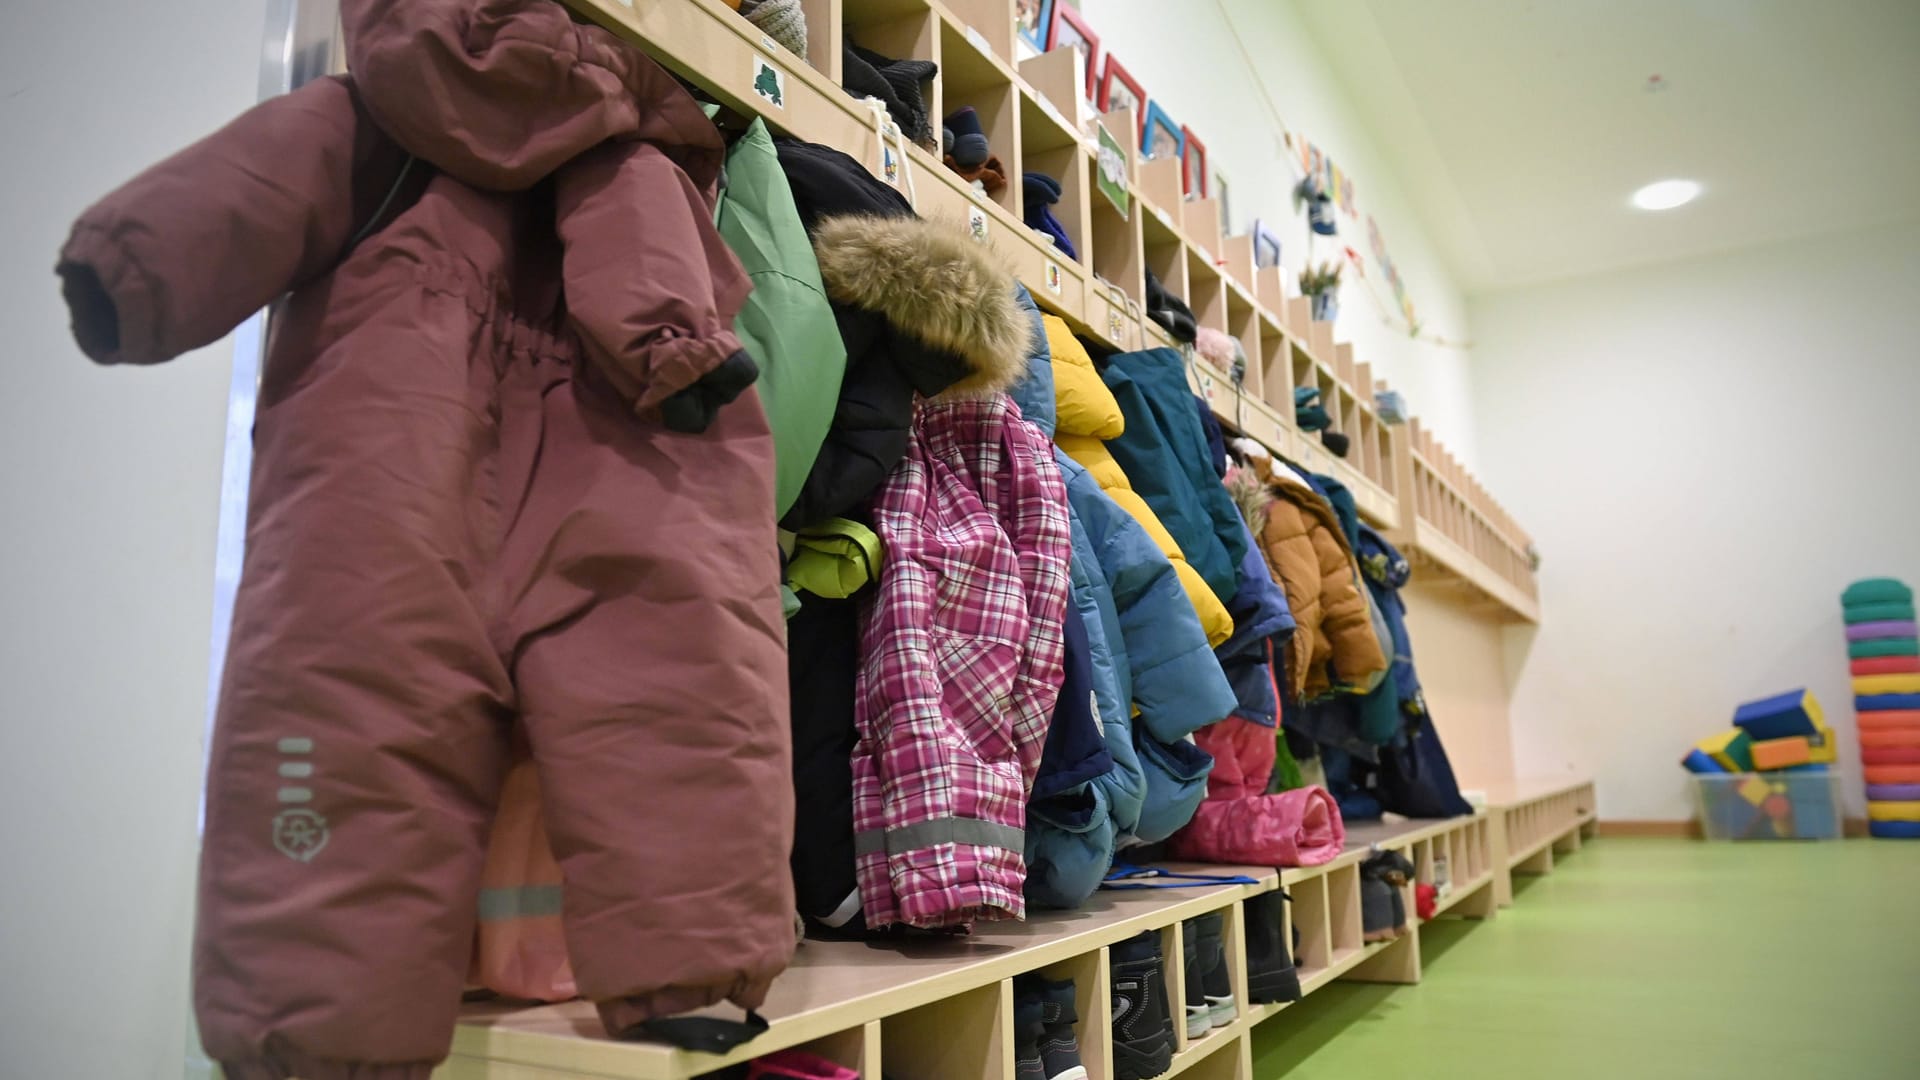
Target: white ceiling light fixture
{"type": "Point", "coordinates": [1666, 194]}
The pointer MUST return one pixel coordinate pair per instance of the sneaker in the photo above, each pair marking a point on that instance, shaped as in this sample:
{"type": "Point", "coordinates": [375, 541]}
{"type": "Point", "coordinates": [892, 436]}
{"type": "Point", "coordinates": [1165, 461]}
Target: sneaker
{"type": "Point", "coordinates": [1271, 975]}
{"type": "Point", "coordinates": [1383, 907]}
{"type": "Point", "coordinates": [1028, 1027]}
{"type": "Point", "coordinates": [1199, 1017]}
{"type": "Point", "coordinates": [1058, 1046]}
{"type": "Point", "coordinates": [1217, 987]}
{"type": "Point", "coordinates": [1142, 1023]}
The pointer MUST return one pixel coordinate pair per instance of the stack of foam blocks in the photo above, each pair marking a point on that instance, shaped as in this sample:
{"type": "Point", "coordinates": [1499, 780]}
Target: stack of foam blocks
{"type": "Point", "coordinates": [1883, 645]}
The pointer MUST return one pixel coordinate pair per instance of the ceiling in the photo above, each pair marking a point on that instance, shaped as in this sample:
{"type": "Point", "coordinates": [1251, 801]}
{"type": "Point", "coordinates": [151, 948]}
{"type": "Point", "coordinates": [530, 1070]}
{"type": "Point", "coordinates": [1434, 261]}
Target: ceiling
{"type": "Point", "coordinates": [1519, 128]}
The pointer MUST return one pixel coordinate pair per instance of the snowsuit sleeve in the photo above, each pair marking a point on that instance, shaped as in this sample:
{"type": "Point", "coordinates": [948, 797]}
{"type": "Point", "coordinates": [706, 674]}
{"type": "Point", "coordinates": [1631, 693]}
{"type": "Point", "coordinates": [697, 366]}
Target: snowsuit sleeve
{"type": "Point", "coordinates": [181, 254]}
{"type": "Point", "coordinates": [1177, 681]}
{"type": "Point", "coordinates": [1348, 623]}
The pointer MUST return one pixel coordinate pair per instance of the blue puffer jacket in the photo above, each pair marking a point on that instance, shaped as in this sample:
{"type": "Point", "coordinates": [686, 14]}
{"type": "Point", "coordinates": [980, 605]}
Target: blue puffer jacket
{"type": "Point", "coordinates": [1147, 650]}
{"type": "Point", "coordinates": [1262, 624]}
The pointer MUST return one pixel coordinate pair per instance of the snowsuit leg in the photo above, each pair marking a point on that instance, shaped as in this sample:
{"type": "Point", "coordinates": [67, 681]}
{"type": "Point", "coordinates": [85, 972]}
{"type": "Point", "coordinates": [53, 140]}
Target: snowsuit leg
{"type": "Point", "coordinates": [363, 717]}
{"type": "Point", "coordinates": [642, 595]}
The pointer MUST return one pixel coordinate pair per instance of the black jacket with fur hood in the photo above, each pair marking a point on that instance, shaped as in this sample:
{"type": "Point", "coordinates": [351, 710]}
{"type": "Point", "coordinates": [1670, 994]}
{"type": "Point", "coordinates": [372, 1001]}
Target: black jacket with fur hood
{"type": "Point", "coordinates": [922, 310]}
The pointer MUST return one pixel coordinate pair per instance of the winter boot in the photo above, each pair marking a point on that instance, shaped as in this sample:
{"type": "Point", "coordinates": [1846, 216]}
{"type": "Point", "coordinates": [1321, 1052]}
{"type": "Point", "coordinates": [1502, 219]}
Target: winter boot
{"type": "Point", "coordinates": [1271, 975]}
{"type": "Point", "coordinates": [1199, 1017]}
{"type": "Point", "coordinates": [1028, 1027]}
{"type": "Point", "coordinates": [1383, 909]}
{"type": "Point", "coordinates": [1142, 1023]}
{"type": "Point", "coordinates": [1217, 986]}
{"type": "Point", "coordinates": [1057, 1045]}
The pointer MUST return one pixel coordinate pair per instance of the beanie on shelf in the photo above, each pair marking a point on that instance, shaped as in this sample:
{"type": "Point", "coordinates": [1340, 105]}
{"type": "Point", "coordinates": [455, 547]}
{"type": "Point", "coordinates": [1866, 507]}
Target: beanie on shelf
{"type": "Point", "coordinates": [1336, 443]}
{"type": "Point", "coordinates": [965, 140]}
{"type": "Point", "coordinates": [781, 20]}
{"type": "Point", "coordinates": [1308, 413]}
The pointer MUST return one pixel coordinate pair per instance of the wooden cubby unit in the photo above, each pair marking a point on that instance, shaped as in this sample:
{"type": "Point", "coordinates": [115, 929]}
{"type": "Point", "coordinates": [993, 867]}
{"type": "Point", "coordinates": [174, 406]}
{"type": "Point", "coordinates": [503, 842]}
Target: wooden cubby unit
{"type": "Point", "coordinates": [943, 1007]}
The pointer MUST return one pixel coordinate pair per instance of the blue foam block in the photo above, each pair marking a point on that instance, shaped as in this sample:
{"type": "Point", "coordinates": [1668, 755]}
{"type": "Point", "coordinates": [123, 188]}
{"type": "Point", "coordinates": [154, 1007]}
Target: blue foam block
{"type": "Point", "coordinates": [1781, 716]}
{"type": "Point", "coordinates": [1885, 702]}
{"type": "Point", "coordinates": [1894, 830]}
{"type": "Point", "coordinates": [1698, 761]}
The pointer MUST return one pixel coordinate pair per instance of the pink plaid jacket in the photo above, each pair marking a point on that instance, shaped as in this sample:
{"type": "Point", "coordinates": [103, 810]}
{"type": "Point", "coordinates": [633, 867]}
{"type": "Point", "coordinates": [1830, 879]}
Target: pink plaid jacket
{"type": "Point", "coordinates": [961, 665]}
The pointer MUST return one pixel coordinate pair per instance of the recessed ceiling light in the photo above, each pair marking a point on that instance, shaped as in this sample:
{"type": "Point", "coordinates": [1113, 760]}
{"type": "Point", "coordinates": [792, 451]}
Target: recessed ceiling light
{"type": "Point", "coordinates": [1666, 194]}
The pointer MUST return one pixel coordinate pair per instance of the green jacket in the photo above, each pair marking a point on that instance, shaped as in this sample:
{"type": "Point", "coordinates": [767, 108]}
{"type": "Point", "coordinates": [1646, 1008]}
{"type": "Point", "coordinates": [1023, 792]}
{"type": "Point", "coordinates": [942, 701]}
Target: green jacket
{"type": "Point", "coordinates": [786, 325]}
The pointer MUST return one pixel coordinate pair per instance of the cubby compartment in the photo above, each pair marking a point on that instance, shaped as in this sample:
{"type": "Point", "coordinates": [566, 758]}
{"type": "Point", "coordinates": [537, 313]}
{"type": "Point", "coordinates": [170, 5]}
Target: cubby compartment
{"type": "Point", "coordinates": [1243, 323]}
{"type": "Point", "coordinates": [899, 30]}
{"type": "Point", "coordinates": [1206, 293]}
{"type": "Point", "coordinates": [823, 36]}
{"type": "Point", "coordinates": [1343, 911]}
{"type": "Point", "coordinates": [1048, 148]}
{"type": "Point", "coordinates": [1310, 916]}
{"type": "Point", "coordinates": [970, 77]}
{"type": "Point", "coordinates": [856, 1048]}
{"type": "Point", "coordinates": [1165, 255]}
{"type": "Point", "coordinates": [1276, 368]}
{"type": "Point", "coordinates": [1091, 976]}
{"type": "Point", "coordinates": [969, 1034]}
{"type": "Point", "coordinates": [990, 22]}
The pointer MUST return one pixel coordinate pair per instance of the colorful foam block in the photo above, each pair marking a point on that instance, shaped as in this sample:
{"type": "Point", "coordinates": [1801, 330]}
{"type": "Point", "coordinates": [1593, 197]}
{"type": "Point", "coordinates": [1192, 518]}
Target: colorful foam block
{"type": "Point", "coordinates": [1697, 761]}
{"type": "Point", "coordinates": [1731, 748]}
{"type": "Point", "coordinates": [1885, 702]}
{"type": "Point", "coordinates": [1871, 739]}
{"type": "Point", "coordinates": [1860, 650]}
{"type": "Point", "coordinates": [1754, 790]}
{"type": "Point", "coordinates": [1796, 712]}
{"type": "Point", "coordinates": [1893, 793]}
{"type": "Point", "coordinates": [1890, 755]}
{"type": "Point", "coordinates": [1880, 611]}
{"type": "Point", "coordinates": [1893, 811]}
{"type": "Point", "coordinates": [1892, 774]}
{"type": "Point", "coordinates": [1886, 684]}
{"type": "Point", "coordinates": [1877, 590]}
{"type": "Point", "coordinates": [1885, 665]}
{"type": "Point", "coordinates": [1781, 753]}
{"type": "Point", "coordinates": [1894, 830]}
{"type": "Point", "coordinates": [1885, 628]}
{"type": "Point", "coordinates": [1892, 720]}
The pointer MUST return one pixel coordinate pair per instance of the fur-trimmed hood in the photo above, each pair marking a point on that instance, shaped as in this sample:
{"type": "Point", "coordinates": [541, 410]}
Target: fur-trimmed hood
{"type": "Point", "coordinates": [933, 282]}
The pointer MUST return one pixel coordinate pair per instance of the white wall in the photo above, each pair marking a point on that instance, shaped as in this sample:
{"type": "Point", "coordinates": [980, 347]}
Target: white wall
{"type": "Point", "coordinates": [1190, 57]}
{"type": "Point", "coordinates": [1707, 453]}
{"type": "Point", "coordinates": [111, 488]}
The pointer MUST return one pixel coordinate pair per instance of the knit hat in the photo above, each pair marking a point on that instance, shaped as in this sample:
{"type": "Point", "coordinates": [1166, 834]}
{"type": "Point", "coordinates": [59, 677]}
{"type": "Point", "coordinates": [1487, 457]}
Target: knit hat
{"type": "Point", "coordinates": [1215, 346]}
{"type": "Point", "coordinates": [969, 139]}
{"type": "Point", "coordinates": [1391, 406]}
{"type": "Point", "coordinates": [1170, 311]}
{"type": "Point", "coordinates": [1042, 191]}
{"type": "Point", "coordinates": [897, 83]}
{"type": "Point", "coordinates": [781, 20]}
{"type": "Point", "coordinates": [1336, 443]}
{"type": "Point", "coordinates": [1308, 413]}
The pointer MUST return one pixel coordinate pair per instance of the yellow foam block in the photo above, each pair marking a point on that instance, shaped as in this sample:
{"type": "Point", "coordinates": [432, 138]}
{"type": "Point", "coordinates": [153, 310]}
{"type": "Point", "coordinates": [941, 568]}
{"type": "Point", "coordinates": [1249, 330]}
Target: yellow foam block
{"type": "Point", "coordinates": [1729, 748]}
{"type": "Point", "coordinates": [1893, 811]}
{"type": "Point", "coordinates": [1887, 684]}
{"type": "Point", "coordinates": [1780, 753]}
{"type": "Point", "coordinates": [1755, 790]}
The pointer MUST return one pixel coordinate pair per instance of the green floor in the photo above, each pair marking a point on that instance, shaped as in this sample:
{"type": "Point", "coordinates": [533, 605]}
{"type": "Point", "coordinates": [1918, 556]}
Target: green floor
{"type": "Point", "coordinates": [1647, 959]}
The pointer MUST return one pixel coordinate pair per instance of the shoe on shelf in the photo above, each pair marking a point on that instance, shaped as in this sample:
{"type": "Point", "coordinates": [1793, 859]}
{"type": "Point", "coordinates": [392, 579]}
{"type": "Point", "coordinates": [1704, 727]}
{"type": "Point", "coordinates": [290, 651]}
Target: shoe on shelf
{"type": "Point", "coordinates": [1142, 1022]}
{"type": "Point", "coordinates": [1216, 987]}
{"type": "Point", "coordinates": [1027, 1029]}
{"type": "Point", "coordinates": [1057, 1047]}
{"type": "Point", "coordinates": [1271, 976]}
{"type": "Point", "coordinates": [1383, 906]}
{"type": "Point", "coordinates": [1199, 1017]}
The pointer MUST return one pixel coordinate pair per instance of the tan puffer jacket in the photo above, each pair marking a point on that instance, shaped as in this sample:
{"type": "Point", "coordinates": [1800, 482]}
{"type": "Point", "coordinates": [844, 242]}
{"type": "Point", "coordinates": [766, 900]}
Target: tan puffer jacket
{"type": "Point", "coordinates": [1309, 556]}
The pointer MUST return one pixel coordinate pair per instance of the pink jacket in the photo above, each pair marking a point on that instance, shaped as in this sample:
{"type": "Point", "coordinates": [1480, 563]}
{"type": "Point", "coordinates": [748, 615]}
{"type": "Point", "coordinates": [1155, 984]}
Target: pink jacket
{"type": "Point", "coordinates": [1240, 823]}
{"type": "Point", "coordinates": [962, 663]}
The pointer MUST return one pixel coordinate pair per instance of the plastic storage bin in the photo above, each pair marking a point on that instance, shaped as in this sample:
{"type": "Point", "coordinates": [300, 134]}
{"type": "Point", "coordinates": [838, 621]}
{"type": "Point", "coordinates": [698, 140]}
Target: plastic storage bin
{"type": "Point", "coordinates": [1769, 806]}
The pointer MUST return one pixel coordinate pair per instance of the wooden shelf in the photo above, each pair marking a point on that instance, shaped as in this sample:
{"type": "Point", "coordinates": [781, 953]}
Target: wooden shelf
{"type": "Point", "coordinates": [898, 1005]}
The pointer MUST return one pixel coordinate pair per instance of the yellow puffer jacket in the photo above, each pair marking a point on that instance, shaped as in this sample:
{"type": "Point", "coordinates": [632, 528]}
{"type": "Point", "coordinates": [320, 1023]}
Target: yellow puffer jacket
{"type": "Point", "coordinates": [1088, 416]}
